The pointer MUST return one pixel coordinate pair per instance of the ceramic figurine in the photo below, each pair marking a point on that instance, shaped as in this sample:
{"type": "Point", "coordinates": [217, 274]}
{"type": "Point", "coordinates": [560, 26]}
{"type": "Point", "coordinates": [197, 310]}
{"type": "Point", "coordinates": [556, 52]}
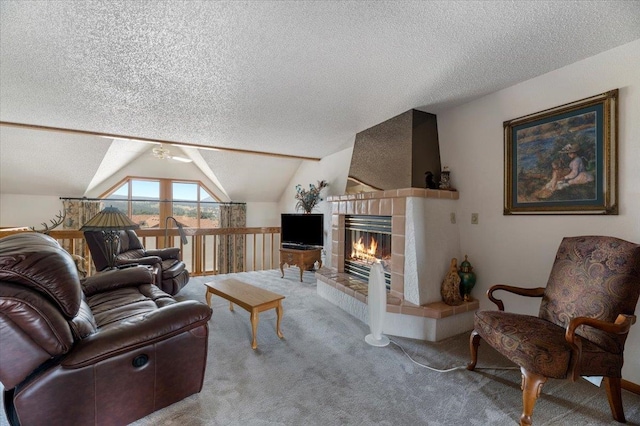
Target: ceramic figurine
{"type": "Point", "coordinates": [429, 182]}
{"type": "Point", "coordinates": [450, 290]}
{"type": "Point", "coordinates": [467, 279]}
{"type": "Point", "coordinates": [445, 178]}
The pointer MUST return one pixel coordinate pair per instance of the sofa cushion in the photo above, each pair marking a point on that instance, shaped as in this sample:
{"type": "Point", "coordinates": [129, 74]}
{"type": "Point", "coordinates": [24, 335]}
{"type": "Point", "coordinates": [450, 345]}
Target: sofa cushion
{"type": "Point", "coordinates": [117, 305]}
{"type": "Point", "coordinates": [83, 324]}
{"type": "Point", "coordinates": [540, 346]}
{"type": "Point", "coordinates": [37, 261]}
{"type": "Point", "coordinates": [117, 278]}
{"type": "Point", "coordinates": [129, 241]}
{"type": "Point", "coordinates": [531, 342]}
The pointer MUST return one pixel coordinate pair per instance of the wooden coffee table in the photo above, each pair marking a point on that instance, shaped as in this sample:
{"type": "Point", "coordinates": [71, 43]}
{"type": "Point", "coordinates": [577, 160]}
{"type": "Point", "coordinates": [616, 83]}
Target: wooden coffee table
{"type": "Point", "coordinates": [251, 298]}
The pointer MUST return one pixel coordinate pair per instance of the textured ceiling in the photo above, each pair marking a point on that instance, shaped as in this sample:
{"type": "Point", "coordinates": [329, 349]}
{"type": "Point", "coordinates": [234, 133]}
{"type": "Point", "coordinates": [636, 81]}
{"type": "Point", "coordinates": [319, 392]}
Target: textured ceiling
{"type": "Point", "coordinates": [43, 162]}
{"type": "Point", "coordinates": [290, 77]}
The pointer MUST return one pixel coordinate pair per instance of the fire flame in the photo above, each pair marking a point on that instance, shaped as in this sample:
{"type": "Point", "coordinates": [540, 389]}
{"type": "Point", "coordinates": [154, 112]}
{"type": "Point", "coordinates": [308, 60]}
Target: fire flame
{"type": "Point", "coordinates": [359, 251]}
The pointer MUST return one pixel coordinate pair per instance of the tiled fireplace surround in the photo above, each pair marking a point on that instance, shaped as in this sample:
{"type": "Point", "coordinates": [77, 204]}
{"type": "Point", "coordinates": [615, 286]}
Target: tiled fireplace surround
{"type": "Point", "coordinates": [423, 242]}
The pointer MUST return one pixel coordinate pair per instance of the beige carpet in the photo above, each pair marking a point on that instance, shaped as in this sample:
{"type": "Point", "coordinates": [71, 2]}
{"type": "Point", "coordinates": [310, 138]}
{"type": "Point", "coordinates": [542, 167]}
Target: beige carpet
{"type": "Point", "coordinates": [323, 373]}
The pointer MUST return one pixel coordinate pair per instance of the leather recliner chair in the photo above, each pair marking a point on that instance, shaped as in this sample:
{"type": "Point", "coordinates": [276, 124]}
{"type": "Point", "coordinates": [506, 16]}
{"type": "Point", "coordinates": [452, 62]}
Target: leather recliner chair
{"type": "Point", "coordinates": [171, 273]}
{"type": "Point", "coordinates": [109, 349]}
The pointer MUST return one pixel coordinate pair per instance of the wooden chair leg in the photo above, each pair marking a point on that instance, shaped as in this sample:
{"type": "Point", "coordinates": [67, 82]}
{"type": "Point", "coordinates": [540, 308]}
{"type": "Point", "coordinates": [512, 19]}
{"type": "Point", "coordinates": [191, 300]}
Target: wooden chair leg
{"type": "Point", "coordinates": [614, 394]}
{"type": "Point", "coordinates": [474, 342]}
{"type": "Point", "coordinates": [531, 387]}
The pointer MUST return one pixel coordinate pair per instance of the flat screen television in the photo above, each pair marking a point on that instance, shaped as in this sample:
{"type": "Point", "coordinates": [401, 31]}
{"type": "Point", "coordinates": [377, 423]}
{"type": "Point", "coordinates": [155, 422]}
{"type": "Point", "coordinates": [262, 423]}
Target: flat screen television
{"type": "Point", "coordinates": [302, 231]}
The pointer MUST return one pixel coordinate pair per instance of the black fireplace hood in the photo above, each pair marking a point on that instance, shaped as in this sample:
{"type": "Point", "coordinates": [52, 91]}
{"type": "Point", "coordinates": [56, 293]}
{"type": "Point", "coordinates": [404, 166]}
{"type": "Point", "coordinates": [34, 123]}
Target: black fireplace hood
{"type": "Point", "coordinates": [395, 154]}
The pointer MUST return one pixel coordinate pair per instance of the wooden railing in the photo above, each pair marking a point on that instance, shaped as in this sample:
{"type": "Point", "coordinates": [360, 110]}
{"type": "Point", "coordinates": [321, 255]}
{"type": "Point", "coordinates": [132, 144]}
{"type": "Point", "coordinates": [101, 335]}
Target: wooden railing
{"type": "Point", "coordinates": [208, 251]}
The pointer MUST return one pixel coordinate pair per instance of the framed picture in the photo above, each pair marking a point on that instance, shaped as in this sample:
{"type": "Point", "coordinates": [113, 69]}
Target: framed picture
{"type": "Point", "coordinates": [563, 160]}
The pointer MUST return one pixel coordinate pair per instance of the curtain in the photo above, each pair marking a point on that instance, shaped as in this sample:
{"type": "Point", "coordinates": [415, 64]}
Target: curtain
{"type": "Point", "coordinates": [231, 248]}
{"type": "Point", "coordinates": [77, 212]}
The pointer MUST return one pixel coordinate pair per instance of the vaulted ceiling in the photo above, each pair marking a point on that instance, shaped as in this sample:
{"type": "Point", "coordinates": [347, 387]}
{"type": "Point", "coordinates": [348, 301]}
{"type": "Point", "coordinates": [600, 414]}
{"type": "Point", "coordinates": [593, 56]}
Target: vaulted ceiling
{"type": "Point", "coordinates": [295, 78]}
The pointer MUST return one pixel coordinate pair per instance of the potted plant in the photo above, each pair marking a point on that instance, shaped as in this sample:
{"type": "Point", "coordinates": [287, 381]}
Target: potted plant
{"type": "Point", "coordinates": [308, 198]}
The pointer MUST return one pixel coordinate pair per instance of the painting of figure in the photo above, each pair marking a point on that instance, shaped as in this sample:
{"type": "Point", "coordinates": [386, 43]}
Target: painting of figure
{"type": "Point", "coordinates": [557, 160]}
{"type": "Point", "coordinates": [562, 160]}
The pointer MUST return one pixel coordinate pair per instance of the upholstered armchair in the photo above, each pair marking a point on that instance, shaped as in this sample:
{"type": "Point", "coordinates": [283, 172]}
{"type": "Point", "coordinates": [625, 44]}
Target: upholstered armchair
{"type": "Point", "coordinates": [171, 273]}
{"type": "Point", "coordinates": [585, 314]}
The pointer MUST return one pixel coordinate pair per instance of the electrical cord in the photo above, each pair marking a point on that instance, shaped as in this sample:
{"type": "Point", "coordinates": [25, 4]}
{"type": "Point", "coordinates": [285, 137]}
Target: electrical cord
{"type": "Point", "coordinates": [460, 367]}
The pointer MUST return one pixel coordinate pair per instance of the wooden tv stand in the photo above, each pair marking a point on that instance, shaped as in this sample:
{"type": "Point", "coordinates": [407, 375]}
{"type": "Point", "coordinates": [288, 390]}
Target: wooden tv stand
{"type": "Point", "coordinates": [303, 259]}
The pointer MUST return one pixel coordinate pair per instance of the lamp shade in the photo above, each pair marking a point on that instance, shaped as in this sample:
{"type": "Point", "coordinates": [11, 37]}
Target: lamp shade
{"type": "Point", "coordinates": [109, 219]}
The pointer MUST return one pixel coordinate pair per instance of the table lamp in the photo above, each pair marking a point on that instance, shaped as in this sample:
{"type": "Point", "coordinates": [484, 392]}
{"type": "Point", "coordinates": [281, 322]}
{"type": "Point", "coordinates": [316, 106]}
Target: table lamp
{"type": "Point", "coordinates": [110, 220]}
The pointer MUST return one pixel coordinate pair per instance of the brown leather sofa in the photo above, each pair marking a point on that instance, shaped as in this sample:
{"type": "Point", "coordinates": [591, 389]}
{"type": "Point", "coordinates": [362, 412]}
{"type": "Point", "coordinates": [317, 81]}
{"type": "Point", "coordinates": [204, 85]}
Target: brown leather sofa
{"type": "Point", "coordinates": [106, 350]}
{"type": "Point", "coordinates": [171, 273]}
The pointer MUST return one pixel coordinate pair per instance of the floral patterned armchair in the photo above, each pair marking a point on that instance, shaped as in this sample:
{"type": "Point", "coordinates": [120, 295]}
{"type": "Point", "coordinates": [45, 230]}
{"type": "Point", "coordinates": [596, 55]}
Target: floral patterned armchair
{"type": "Point", "coordinates": [586, 311]}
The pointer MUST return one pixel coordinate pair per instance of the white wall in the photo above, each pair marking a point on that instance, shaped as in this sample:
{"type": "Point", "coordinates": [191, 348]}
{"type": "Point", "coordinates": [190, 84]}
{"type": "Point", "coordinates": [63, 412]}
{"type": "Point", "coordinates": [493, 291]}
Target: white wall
{"type": "Point", "coordinates": [333, 168]}
{"type": "Point", "coordinates": [263, 214]}
{"type": "Point", "coordinates": [148, 166]}
{"type": "Point", "coordinates": [28, 210]}
{"type": "Point", "coordinates": [520, 250]}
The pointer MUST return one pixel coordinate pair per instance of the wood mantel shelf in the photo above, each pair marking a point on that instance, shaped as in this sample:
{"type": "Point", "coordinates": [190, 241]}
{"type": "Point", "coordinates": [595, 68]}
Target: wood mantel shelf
{"type": "Point", "coordinates": [397, 193]}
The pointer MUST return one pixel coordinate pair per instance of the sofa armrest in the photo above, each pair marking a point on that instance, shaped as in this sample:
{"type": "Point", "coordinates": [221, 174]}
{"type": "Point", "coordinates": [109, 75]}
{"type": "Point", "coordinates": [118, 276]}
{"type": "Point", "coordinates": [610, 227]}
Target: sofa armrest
{"type": "Point", "coordinates": [138, 332]}
{"type": "Point", "coordinates": [147, 260]}
{"type": "Point", "coordinates": [165, 253]}
{"type": "Point", "coordinates": [116, 278]}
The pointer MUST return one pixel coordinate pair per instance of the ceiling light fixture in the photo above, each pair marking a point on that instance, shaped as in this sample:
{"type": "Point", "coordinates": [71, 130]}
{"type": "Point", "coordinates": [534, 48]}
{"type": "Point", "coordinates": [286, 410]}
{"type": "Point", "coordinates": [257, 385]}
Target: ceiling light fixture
{"type": "Point", "coordinates": [164, 154]}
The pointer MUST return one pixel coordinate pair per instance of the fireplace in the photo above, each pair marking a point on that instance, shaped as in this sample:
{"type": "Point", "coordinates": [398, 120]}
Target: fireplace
{"type": "Point", "coordinates": [367, 240]}
{"type": "Point", "coordinates": [387, 213]}
{"type": "Point", "coordinates": [422, 243]}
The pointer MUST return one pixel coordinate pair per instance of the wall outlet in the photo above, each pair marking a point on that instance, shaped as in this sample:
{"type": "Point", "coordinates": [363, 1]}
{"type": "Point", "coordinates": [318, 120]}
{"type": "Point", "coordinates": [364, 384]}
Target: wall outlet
{"type": "Point", "coordinates": [474, 218]}
{"type": "Point", "coordinates": [453, 217]}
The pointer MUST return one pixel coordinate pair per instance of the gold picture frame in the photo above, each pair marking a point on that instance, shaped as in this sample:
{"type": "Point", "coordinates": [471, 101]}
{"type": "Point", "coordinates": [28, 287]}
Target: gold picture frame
{"type": "Point", "coordinates": [563, 160]}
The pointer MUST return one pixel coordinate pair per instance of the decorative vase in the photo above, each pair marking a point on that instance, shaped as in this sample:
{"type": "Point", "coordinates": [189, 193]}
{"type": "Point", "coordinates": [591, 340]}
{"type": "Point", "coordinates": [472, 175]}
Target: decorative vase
{"type": "Point", "coordinates": [467, 279]}
{"type": "Point", "coordinates": [450, 289]}
{"type": "Point", "coordinates": [307, 199]}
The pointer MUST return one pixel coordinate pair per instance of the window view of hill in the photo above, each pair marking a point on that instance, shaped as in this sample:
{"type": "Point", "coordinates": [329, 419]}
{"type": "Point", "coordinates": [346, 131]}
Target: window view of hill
{"type": "Point", "coordinates": [147, 213]}
{"type": "Point", "coordinates": [141, 198]}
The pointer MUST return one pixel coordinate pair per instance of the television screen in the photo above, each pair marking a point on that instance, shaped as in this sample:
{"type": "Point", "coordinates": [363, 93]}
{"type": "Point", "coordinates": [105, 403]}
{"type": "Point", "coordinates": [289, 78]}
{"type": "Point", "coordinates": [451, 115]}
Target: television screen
{"type": "Point", "coordinates": [301, 230]}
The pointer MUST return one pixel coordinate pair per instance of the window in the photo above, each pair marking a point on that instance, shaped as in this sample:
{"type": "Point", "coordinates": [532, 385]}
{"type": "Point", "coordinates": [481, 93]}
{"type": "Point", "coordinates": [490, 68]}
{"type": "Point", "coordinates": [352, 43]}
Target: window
{"type": "Point", "coordinates": [149, 202]}
{"type": "Point", "coordinates": [145, 209]}
{"type": "Point", "coordinates": [118, 199]}
{"type": "Point", "coordinates": [193, 206]}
